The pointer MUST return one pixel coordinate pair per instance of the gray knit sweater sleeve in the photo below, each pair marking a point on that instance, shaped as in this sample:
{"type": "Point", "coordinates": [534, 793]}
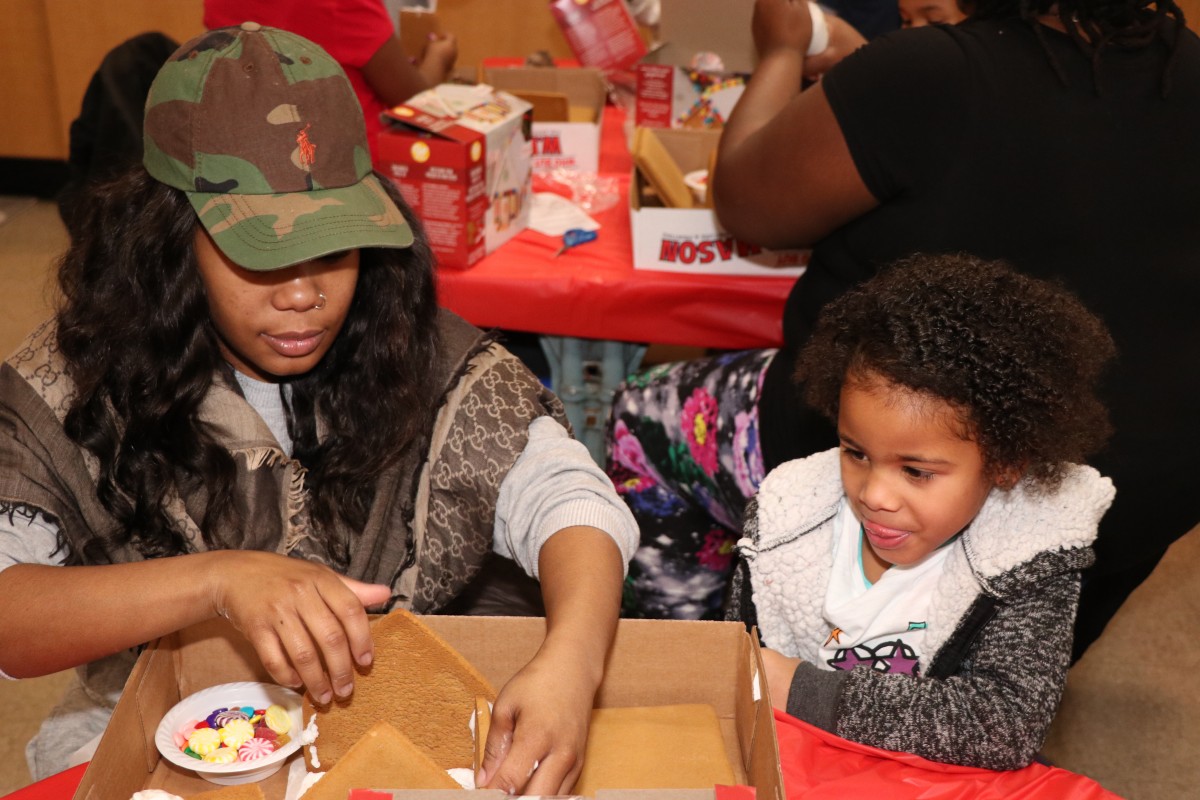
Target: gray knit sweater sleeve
{"type": "Point", "coordinates": [994, 712]}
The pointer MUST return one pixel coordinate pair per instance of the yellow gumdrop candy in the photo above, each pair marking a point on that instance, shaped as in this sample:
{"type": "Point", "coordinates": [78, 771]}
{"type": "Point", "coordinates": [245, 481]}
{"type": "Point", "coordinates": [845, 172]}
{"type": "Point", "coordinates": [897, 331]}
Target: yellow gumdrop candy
{"type": "Point", "coordinates": [236, 733]}
{"type": "Point", "coordinates": [278, 719]}
{"type": "Point", "coordinates": [204, 741]}
{"type": "Point", "coordinates": [222, 755]}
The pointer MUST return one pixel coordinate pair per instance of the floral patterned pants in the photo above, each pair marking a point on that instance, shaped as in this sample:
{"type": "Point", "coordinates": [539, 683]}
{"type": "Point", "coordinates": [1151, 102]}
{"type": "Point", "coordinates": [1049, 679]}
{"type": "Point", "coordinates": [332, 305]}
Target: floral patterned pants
{"type": "Point", "coordinates": [684, 453]}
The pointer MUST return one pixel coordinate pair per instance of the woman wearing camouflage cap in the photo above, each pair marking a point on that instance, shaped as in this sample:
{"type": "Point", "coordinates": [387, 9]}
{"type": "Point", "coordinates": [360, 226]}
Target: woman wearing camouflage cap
{"type": "Point", "coordinates": [266, 417]}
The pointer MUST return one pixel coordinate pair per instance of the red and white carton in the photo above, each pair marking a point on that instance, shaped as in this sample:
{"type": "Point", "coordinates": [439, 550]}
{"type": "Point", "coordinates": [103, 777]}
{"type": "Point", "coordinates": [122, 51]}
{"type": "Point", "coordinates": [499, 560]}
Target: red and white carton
{"type": "Point", "coordinates": [695, 77]}
{"type": "Point", "coordinates": [601, 33]}
{"type": "Point", "coordinates": [691, 239]}
{"type": "Point", "coordinates": [461, 157]}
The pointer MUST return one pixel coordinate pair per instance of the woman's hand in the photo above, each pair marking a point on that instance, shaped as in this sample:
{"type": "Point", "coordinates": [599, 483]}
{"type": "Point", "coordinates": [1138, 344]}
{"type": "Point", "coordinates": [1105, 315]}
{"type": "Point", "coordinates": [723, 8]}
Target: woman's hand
{"type": "Point", "coordinates": [540, 720]}
{"type": "Point", "coordinates": [780, 670]}
{"type": "Point", "coordinates": [843, 40]}
{"type": "Point", "coordinates": [539, 728]}
{"type": "Point", "coordinates": [438, 58]}
{"type": "Point", "coordinates": [781, 25]}
{"type": "Point", "coordinates": [307, 623]}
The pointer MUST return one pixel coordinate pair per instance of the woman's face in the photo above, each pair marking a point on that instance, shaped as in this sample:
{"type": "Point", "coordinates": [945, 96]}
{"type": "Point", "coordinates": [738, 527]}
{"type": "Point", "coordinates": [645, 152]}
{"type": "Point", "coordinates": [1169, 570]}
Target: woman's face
{"type": "Point", "coordinates": [269, 322]}
{"type": "Point", "coordinates": [918, 13]}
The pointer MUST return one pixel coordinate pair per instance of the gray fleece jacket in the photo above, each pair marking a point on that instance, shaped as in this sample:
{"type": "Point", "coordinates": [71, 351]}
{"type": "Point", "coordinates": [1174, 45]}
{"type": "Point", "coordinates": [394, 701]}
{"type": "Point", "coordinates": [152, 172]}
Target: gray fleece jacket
{"type": "Point", "coordinates": [998, 641]}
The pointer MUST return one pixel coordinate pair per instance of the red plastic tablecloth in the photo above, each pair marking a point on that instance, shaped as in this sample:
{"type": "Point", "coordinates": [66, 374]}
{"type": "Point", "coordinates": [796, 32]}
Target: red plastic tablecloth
{"type": "Point", "coordinates": [819, 766]}
{"type": "Point", "coordinates": [593, 291]}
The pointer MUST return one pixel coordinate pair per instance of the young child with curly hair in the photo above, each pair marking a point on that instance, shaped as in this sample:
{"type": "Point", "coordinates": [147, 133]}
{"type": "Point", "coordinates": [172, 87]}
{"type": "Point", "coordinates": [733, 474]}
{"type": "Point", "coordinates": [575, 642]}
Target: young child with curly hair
{"type": "Point", "coordinates": [917, 586]}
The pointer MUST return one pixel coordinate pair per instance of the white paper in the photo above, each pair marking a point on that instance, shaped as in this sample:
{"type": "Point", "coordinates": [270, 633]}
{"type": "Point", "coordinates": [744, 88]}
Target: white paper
{"type": "Point", "coordinates": [554, 215]}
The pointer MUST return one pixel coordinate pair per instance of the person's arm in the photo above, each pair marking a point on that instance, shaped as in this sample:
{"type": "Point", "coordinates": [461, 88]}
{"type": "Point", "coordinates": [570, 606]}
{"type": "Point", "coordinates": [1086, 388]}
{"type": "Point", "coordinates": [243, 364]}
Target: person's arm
{"type": "Point", "coordinates": [394, 77]}
{"type": "Point", "coordinates": [784, 175]}
{"type": "Point", "coordinates": [307, 624]}
{"type": "Point", "coordinates": [541, 717]}
{"type": "Point", "coordinates": [559, 517]}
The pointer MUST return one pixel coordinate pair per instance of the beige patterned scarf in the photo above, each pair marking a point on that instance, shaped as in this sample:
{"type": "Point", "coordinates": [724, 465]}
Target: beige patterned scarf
{"type": "Point", "coordinates": [428, 531]}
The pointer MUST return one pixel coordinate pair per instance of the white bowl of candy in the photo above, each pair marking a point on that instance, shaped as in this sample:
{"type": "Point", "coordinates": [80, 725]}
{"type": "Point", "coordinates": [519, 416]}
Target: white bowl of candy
{"type": "Point", "coordinates": [232, 733]}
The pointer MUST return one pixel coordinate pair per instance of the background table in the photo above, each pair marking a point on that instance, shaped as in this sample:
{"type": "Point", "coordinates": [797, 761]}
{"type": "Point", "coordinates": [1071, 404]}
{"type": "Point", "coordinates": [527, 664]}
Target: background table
{"type": "Point", "coordinates": [596, 313]}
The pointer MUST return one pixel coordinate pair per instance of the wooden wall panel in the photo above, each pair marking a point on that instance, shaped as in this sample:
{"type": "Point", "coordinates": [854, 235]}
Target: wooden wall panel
{"type": "Point", "coordinates": [31, 127]}
{"type": "Point", "coordinates": [82, 33]}
{"type": "Point", "coordinates": [49, 49]}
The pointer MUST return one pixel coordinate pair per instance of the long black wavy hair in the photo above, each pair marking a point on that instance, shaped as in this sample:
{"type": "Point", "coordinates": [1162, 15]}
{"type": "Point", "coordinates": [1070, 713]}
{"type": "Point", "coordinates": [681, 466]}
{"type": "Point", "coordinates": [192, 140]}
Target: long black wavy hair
{"type": "Point", "coordinates": [1095, 26]}
{"type": "Point", "coordinates": [1018, 358]}
{"type": "Point", "coordinates": [142, 351]}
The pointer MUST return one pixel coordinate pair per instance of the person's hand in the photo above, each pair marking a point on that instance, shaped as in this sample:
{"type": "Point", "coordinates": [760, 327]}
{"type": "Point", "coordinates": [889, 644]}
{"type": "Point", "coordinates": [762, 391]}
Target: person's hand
{"type": "Point", "coordinates": [781, 25]}
{"type": "Point", "coordinates": [539, 728]}
{"type": "Point", "coordinates": [780, 670]}
{"type": "Point", "coordinates": [438, 58]}
{"type": "Point", "coordinates": [843, 40]}
{"type": "Point", "coordinates": [307, 623]}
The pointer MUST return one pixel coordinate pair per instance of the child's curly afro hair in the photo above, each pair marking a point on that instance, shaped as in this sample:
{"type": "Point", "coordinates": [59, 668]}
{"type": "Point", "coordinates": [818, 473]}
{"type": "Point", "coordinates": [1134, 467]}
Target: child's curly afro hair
{"type": "Point", "coordinates": [1018, 358]}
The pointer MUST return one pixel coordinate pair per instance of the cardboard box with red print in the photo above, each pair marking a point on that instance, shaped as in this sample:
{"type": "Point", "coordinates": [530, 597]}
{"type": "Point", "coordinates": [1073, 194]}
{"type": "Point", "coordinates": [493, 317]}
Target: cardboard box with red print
{"type": "Point", "coordinates": [461, 157]}
{"type": "Point", "coordinates": [673, 231]}
{"type": "Point", "coordinates": [601, 33]}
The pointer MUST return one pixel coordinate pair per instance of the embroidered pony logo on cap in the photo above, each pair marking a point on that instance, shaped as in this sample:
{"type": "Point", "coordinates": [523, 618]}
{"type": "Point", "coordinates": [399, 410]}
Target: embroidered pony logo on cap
{"type": "Point", "coordinates": [308, 150]}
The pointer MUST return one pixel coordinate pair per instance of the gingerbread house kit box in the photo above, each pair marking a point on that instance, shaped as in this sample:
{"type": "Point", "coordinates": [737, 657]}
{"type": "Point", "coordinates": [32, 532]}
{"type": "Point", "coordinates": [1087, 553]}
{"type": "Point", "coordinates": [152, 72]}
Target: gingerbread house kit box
{"type": "Point", "coordinates": [673, 226]}
{"type": "Point", "coordinates": [696, 76]}
{"type": "Point", "coordinates": [461, 157]}
{"type": "Point", "coordinates": [568, 110]}
{"type": "Point", "coordinates": [653, 663]}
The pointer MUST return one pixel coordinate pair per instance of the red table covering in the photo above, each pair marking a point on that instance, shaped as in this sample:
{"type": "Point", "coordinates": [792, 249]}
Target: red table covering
{"type": "Point", "coordinates": [592, 291]}
{"type": "Point", "coordinates": [819, 766]}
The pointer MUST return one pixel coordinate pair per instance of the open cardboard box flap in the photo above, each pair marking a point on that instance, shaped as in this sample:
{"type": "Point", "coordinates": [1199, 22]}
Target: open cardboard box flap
{"type": "Point", "coordinates": [652, 662]}
{"type": "Point", "coordinates": [663, 156]}
{"type": "Point", "coordinates": [583, 89]}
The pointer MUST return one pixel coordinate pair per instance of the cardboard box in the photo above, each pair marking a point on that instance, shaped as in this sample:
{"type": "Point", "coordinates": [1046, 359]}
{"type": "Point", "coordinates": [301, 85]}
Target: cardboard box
{"type": "Point", "coordinates": [485, 29]}
{"type": "Point", "coordinates": [696, 76]}
{"type": "Point", "coordinates": [653, 662]}
{"type": "Point", "coordinates": [687, 237]}
{"type": "Point", "coordinates": [461, 157]}
{"type": "Point", "coordinates": [568, 110]}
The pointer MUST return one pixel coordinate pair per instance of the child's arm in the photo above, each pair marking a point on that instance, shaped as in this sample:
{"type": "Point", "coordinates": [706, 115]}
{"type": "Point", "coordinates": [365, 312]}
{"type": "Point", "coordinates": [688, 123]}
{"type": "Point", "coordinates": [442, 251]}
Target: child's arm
{"type": "Point", "coordinates": [994, 712]}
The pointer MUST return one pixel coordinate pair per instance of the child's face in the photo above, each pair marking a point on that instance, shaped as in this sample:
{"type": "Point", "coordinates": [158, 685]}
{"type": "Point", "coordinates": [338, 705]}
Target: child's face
{"type": "Point", "coordinates": [910, 477]}
{"type": "Point", "coordinates": [268, 321]}
{"type": "Point", "coordinates": [918, 13]}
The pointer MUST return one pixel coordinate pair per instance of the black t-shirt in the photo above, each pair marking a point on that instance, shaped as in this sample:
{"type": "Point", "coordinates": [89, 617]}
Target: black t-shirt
{"type": "Point", "coordinates": [972, 143]}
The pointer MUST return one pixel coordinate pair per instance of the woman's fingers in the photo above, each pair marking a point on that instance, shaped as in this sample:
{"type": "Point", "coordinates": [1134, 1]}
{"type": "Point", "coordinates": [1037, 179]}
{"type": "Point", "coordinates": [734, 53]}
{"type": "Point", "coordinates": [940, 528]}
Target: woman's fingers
{"type": "Point", "coordinates": [308, 625]}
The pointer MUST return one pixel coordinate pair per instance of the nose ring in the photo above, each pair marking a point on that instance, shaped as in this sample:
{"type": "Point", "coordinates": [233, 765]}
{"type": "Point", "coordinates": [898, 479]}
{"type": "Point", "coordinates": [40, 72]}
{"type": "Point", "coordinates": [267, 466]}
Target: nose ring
{"type": "Point", "coordinates": [321, 303]}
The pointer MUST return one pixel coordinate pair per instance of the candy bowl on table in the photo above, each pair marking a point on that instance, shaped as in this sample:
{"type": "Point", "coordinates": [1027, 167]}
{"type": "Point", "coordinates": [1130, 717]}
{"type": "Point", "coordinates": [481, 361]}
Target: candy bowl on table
{"type": "Point", "coordinates": [232, 733]}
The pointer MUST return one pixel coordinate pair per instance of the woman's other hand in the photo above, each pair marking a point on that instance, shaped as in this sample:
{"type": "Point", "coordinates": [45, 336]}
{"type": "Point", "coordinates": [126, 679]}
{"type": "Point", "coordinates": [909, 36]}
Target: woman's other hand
{"type": "Point", "coordinates": [843, 40]}
{"type": "Point", "coordinates": [780, 670]}
{"type": "Point", "coordinates": [539, 728]}
{"type": "Point", "coordinates": [438, 58]}
{"type": "Point", "coordinates": [781, 25]}
{"type": "Point", "coordinates": [307, 623]}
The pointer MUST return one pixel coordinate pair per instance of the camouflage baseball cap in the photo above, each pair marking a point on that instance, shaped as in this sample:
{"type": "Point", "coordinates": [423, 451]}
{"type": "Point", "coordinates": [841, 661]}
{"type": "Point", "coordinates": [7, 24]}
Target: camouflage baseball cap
{"type": "Point", "coordinates": [262, 130]}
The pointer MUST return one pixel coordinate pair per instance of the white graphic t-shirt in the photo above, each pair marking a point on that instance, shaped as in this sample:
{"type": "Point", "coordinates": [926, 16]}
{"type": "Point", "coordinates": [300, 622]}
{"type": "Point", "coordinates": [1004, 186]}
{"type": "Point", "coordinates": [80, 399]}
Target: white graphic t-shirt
{"type": "Point", "coordinates": [880, 626]}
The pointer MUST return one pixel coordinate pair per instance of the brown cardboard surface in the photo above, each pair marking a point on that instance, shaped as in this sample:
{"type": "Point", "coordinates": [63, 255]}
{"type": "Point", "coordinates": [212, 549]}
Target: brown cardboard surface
{"type": "Point", "coordinates": [688, 27]}
{"type": "Point", "coordinates": [582, 86]}
{"type": "Point", "coordinates": [652, 662]}
{"type": "Point", "coordinates": [487, 28]}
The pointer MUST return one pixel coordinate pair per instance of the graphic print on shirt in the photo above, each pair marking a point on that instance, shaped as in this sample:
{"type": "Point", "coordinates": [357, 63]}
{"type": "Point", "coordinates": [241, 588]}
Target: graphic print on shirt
{"type": "Point", "coordinates": [891, 657]}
